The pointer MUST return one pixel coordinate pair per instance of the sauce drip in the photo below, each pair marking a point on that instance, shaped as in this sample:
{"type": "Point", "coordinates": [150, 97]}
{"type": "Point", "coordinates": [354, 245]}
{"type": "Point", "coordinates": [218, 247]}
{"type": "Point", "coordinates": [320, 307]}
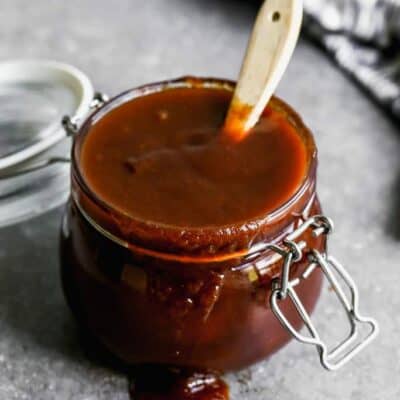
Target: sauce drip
{"type": "Point", "coordinates": [162, 383]}
{"type": "Point", "coordinates": [161, 158]}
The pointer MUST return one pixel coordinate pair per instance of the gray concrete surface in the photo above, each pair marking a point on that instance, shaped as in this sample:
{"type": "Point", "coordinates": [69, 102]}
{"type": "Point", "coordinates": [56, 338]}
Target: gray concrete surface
{"type": "Point", "coordinates": [128, 42]}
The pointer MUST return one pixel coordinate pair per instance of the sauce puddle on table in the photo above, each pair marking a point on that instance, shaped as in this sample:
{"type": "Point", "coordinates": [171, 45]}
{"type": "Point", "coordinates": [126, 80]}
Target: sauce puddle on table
{"type": "Point", "coordinates": [152, 382]}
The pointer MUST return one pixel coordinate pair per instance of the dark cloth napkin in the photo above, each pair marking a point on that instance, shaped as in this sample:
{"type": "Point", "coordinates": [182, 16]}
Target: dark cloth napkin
{"type": "Point", "coordinates": [363, 36]}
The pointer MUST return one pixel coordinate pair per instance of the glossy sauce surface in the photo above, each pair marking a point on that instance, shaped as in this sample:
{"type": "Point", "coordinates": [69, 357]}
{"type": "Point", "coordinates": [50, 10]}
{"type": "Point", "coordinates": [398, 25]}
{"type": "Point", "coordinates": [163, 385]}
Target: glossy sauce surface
{"type": "Point", "coordinates": [159, 158]}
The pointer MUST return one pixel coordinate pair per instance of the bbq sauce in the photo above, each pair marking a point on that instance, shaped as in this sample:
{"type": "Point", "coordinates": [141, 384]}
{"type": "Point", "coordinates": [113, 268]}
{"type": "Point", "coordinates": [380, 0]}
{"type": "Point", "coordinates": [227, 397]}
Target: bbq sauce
{"type": "Point", "coordinates": [161, 158]}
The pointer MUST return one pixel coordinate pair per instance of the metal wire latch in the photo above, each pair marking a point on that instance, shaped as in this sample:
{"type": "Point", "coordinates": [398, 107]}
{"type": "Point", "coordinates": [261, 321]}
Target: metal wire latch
{"type": "Point", "coordinates": [292, 252]}
{"type": "Point", "coordinates": [70, 124]}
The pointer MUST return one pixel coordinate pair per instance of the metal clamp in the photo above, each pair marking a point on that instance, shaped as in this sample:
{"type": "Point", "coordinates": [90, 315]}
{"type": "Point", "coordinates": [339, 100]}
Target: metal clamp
{"type": "Point", "coordinates": [283, 287]}
{"type": "Point", "coordinates": [71, 124]}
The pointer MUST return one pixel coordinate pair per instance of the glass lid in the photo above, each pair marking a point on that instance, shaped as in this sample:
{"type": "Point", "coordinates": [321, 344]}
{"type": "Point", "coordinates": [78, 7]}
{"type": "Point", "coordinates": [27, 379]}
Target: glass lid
{"type": "Point", "coordinates": [34, 149]}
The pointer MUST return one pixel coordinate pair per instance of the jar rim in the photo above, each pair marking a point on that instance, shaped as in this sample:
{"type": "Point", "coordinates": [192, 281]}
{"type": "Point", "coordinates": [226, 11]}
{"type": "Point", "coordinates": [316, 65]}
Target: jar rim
{"type": "Point", "coordinates": [129, 227]}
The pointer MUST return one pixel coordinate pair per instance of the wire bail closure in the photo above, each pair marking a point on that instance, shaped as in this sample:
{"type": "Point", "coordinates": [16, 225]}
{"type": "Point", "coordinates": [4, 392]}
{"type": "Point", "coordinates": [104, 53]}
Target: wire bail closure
{"type": "Point", "coordinates": [71, 124]}
{"type": "Point", "coordinates": [284, 288]}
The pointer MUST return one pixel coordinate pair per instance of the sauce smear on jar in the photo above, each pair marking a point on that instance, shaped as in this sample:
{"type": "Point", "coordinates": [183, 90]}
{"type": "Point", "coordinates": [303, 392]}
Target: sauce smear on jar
{"type": "Point", "coordinates": [160, 158]}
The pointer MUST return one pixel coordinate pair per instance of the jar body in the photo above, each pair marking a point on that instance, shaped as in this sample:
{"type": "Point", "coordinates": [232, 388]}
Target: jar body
{"type": "Point", "coordinates": [190, 297]}
{"type": "Point", "coordinates": [145, 310]}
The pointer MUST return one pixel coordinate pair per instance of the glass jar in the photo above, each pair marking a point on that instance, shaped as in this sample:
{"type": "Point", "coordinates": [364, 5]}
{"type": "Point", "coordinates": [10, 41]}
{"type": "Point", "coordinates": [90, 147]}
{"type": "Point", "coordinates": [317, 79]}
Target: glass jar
{"type": "Point", "coordinates": [217, 298]}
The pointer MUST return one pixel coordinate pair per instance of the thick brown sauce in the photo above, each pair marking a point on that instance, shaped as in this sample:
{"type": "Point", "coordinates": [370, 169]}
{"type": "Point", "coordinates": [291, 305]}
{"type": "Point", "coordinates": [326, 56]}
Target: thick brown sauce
{"type": "Point", "coordinates": [160, 158]}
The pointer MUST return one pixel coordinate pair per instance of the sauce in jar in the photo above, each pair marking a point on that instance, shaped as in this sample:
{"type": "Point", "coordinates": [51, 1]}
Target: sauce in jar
{"type": "Point", "coordinates": [160, 158]}
{"type": "Point", "coordinates": [162, 220]}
